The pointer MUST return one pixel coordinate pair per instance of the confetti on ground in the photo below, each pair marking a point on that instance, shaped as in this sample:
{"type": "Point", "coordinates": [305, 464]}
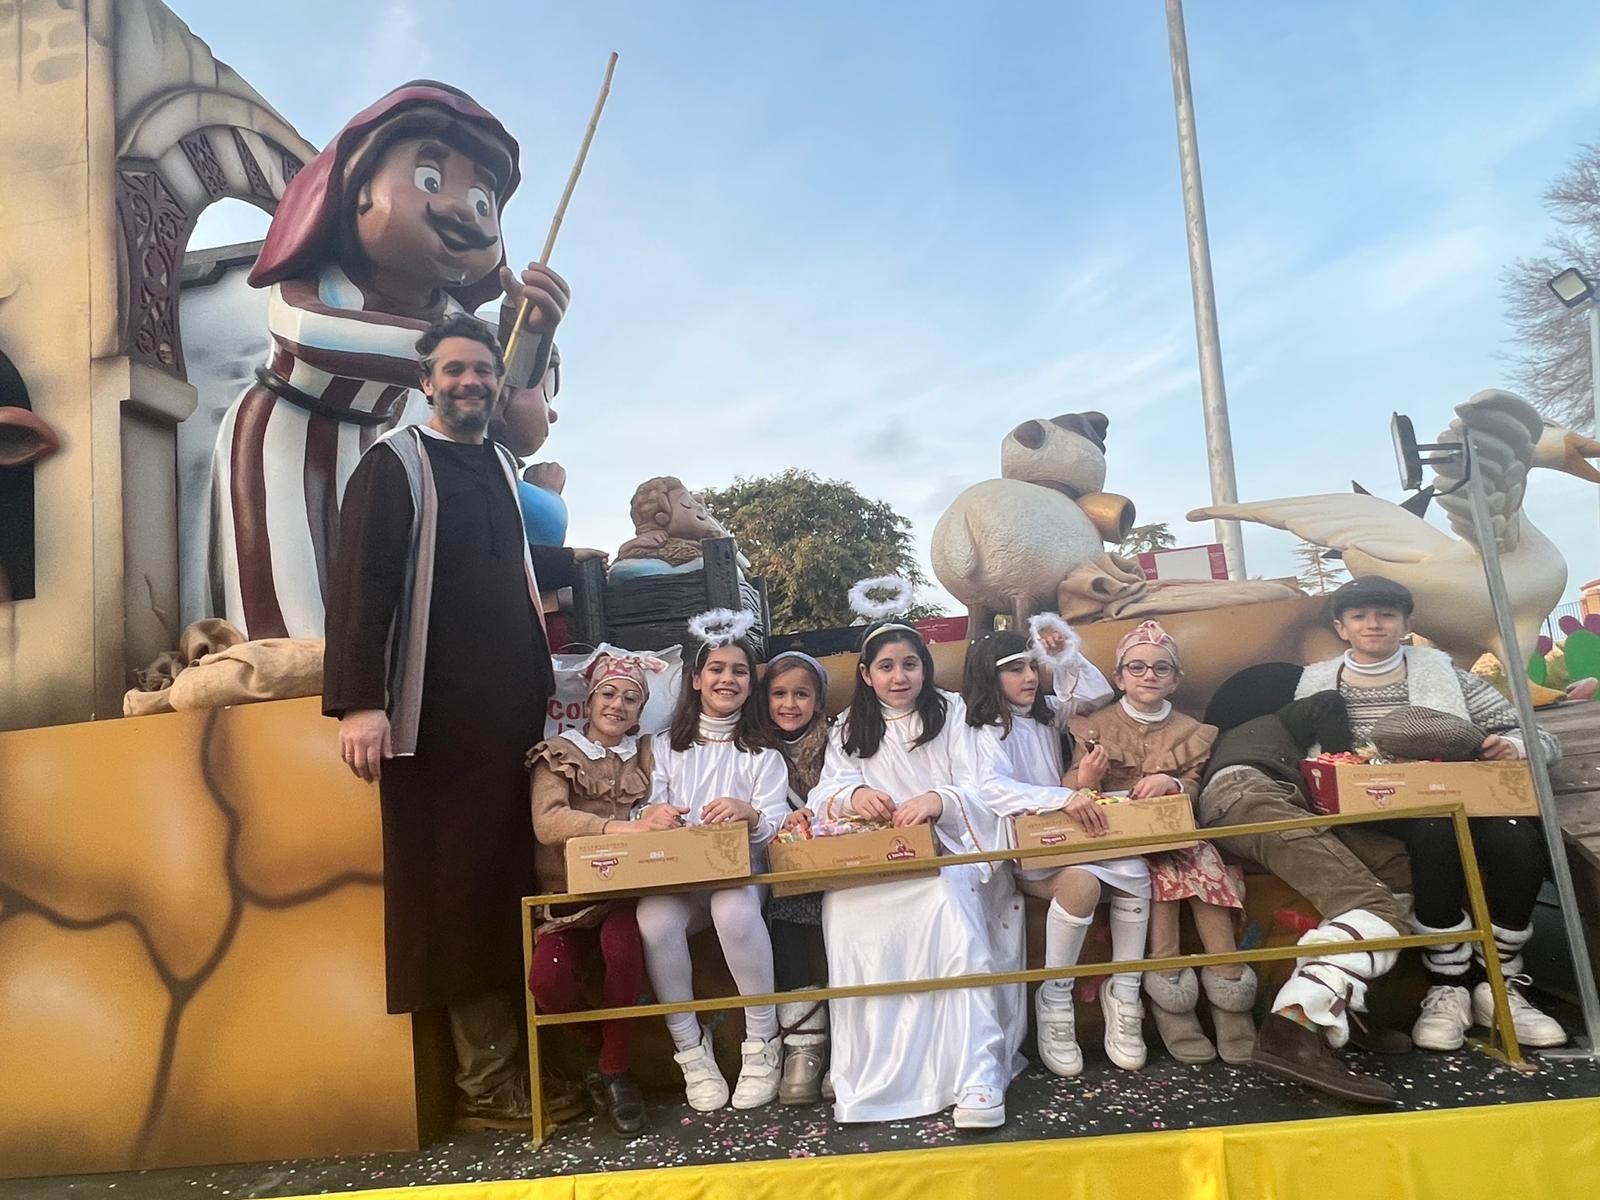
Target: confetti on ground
{"type": "Point", "coordinates": [1165, 1095]}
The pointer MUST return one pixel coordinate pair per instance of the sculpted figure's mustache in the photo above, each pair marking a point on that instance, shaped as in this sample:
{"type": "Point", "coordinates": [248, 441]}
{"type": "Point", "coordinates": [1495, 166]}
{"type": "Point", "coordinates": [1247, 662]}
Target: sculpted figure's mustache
{"type": "Point", "coordinates": [474, 237]}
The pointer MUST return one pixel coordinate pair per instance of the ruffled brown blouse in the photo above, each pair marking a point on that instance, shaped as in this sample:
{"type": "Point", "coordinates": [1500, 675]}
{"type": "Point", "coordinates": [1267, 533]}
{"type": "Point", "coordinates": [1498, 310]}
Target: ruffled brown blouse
{"type": "Point", "coordinates": [1177, 746]}
{"type": "Point", "coordinates": [575, 795]}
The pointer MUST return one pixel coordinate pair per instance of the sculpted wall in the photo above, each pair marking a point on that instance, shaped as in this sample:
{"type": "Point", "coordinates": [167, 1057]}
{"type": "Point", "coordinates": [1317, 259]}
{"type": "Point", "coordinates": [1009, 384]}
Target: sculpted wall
{"type": "Point", "coordinates": [191, 946]}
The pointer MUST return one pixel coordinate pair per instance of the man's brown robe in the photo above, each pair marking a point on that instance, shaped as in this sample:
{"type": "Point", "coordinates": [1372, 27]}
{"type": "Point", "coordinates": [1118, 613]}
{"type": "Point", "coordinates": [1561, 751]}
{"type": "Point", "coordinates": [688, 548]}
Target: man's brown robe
{"type": "Point", "coordinates": [457, 835]}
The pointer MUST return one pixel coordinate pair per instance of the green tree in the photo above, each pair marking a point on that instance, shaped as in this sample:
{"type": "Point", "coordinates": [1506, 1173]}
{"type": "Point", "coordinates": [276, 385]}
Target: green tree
{"type": "Point", "coordinates": [1142, 539]}
{"type": "Point", "coordinates": [1551, 360]}
{"type": "Point", "coordinates": [813, 538]}
{"type": "Point", "coordinates": [1318, 575]}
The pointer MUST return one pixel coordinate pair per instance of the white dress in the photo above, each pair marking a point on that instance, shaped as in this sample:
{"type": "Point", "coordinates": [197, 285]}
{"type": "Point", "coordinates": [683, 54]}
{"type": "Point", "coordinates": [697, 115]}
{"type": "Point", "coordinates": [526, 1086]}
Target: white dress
{"type": "Point", "coordinates": [907, 1056]}
{"type": "Point", "coordinates": [711, 769]}
{"type": "Point", "coordinates": [1020, 772]}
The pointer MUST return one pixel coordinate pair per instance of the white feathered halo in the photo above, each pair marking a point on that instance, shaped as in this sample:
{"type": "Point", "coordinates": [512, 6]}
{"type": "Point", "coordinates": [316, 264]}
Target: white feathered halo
{"type": "Point", "coordinates": [721, 626]}
{"type": "Point", "coordinates": [896, 603]}
{"type": "Point", "coordinates": [1070, 654]}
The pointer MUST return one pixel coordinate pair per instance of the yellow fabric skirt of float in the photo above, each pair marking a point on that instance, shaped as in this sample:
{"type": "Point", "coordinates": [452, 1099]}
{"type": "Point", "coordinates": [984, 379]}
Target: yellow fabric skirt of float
{"type": "Point", "coordinates": [1549, 1149]}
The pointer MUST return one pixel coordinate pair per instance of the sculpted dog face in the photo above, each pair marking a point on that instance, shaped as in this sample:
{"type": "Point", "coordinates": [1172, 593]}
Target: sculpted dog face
{"type": "Point", "coordinates": [209, 636]}
{"type": "Point", "coordinates": [1067, 453]}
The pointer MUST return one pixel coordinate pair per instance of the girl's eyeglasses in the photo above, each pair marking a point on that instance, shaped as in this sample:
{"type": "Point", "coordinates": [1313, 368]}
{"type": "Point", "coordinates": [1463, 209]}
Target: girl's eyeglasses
{"type": "Point", "coordinates": [1139, 670]}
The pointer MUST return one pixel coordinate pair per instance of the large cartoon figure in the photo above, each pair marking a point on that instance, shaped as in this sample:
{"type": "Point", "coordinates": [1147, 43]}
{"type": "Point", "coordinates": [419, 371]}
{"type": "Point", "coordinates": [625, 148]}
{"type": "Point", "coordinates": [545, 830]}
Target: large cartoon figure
{"type": "Point", "coordinates": [395, 224]}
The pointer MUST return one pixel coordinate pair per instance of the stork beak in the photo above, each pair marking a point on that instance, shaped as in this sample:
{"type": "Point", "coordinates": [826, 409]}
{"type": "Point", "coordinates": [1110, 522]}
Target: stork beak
{"type": "Point", "coordinates": [1579, 450]}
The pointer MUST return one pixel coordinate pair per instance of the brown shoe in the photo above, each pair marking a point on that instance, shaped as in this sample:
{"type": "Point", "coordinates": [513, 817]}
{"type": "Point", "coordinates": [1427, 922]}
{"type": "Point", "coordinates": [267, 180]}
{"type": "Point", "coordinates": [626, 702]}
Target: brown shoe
{"type": "Point", "coordinates": [1293, 1052]}
{"type": "Point", "coordinates": [506, 1107]}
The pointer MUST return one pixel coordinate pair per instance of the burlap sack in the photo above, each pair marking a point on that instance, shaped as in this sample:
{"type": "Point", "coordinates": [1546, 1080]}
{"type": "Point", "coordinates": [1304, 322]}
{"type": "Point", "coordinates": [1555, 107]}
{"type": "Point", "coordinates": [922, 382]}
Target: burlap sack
{"type": "Point", "coordinates": [138, 703]}
{"type": "Point", "coordinates": [270, 669]}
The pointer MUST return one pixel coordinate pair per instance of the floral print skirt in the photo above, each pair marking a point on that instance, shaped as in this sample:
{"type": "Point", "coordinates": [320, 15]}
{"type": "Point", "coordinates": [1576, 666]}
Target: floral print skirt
{"type": "Point", "coordinates": [1196, 872]}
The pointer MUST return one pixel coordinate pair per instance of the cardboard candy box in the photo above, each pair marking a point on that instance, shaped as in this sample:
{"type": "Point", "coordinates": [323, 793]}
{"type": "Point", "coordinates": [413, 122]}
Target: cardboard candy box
{"type": "Point", "coordinates": [850, 850]}
{"type": "Point", "coordinates": [693, 854]}
{"type": "Point", "coordinates": [1158, 814]}
{"type": "Point", "coordinates": [1486, 789]}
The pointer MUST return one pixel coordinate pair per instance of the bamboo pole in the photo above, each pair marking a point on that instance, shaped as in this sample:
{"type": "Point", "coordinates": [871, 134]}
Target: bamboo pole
{"type": "Point", "coordinates": [514, 342]}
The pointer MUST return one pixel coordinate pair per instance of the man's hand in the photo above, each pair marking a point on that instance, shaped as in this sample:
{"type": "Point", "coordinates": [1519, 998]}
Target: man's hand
{"type": "Point", "coordinates": [726, 809]}
{"type": "Point", "coordinates": [546, 292]}
{"type": "Point", "coordinates": [583, 554]}
{"type": "Point", "coordinates": [550, 476]}
{"type": "Point", "coordinates": [1091, 817]}
{"type": "Point", "coordinates": [1497, 749]}
{"type": "Point", "coordinates": [871, 805]}
{"type": "Point", "coordinates": [1154, 785]}
{"type": "Point", "coordinates": [657, 817]}
{"type": "Point", "coordinates": [364, 742]}
{"type": "Point", "coordinates": [919, 810]}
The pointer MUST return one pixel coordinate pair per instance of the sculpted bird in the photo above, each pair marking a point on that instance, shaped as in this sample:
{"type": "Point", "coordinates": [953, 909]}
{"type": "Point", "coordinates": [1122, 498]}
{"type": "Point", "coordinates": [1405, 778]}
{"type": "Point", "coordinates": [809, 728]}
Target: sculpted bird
{"type": "Point", "coordinates": [1445, 573]}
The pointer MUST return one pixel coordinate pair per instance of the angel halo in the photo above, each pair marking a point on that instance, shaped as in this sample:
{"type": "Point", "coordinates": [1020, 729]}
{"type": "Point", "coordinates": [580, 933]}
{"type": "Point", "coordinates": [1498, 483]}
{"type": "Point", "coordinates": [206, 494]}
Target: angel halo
{"type": "Point", "coordinates": [720, 627]}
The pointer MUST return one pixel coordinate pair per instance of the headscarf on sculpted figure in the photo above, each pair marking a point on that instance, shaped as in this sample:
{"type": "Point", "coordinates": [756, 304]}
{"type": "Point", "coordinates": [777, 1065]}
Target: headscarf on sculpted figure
{"type": "Point", "coordinates": [394, 225]}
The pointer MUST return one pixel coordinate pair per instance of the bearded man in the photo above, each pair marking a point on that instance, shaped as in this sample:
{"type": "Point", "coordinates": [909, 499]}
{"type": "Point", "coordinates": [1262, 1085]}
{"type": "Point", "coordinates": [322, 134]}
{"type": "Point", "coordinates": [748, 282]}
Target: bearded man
{"type": "Point", "coordinates": [439, 671]}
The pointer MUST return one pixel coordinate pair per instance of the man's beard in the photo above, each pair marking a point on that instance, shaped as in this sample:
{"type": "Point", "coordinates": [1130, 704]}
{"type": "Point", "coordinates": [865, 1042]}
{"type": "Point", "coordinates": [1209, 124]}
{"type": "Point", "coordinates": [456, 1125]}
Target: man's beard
{"type": "Point", "coordinates": [460, 420]}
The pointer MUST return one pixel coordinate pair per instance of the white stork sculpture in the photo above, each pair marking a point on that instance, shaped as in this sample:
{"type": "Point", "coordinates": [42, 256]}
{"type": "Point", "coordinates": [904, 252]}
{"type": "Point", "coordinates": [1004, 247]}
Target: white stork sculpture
{"type": "Point", "coordinates": [1445, 573]}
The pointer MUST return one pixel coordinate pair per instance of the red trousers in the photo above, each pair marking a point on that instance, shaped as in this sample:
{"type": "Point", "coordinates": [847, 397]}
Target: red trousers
{"type": "Point", "coordinates": [562, 960]}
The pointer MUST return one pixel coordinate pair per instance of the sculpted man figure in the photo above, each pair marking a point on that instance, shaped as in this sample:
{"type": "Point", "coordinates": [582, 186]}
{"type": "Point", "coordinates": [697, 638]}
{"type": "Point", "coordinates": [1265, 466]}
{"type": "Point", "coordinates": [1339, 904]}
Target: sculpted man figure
{"type": "Point", "coordinates": [439, 671]}
{"type": "Point", "coordinates": [395, 225]}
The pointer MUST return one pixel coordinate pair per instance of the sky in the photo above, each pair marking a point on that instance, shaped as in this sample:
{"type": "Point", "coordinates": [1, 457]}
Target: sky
{"type": "Point", "coordinates": [867, 240]}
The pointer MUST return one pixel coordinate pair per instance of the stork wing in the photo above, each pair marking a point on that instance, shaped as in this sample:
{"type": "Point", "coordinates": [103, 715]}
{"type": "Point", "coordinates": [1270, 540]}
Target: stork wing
{"type": "Point", "coordinates": [1505, 430]}
{"type": "Point", "coordinates": [1342, 521]}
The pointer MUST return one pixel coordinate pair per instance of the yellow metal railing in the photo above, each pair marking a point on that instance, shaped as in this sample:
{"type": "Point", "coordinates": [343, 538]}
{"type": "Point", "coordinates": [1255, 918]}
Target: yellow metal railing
{"type": "Point", "coordinates": [1481, 934]}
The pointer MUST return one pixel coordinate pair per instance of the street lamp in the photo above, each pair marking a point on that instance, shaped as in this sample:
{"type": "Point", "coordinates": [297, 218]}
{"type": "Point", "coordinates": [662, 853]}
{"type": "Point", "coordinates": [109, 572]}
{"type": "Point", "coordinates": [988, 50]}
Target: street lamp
{"type": "Point", "coordinates": [1573, 288]}
{"type": "Point", "coordinates": [1410, 457]}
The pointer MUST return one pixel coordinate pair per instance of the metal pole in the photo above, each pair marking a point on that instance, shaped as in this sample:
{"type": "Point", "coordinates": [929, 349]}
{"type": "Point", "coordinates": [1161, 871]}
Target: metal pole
{"type": "Point", "coordinates": [1517, 674]}
{"type": "Point", "coordinates": [1594, 365]}
{"type": "Point", "coordinates": [1213, 395]}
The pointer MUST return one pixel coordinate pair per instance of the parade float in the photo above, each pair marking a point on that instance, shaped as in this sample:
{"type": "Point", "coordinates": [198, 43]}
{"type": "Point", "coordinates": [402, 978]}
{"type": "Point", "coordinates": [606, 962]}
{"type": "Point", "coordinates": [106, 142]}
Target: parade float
{"type": "Point", "coordinates": [191, 931]}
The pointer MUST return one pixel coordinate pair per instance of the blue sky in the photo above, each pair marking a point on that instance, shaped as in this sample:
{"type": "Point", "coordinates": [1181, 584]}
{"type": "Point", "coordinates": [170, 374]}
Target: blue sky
{"type": "Point", "coordinates": [868, 239]}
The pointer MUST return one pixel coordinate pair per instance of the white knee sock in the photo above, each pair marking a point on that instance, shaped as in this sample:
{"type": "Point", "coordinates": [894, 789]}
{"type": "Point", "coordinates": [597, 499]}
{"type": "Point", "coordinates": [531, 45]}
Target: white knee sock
{"type": "Point", "coordinates": [1063, 942]}
{"type": "Point", "coordinates": [747, 947]}
{"type": "Point", "coordinates": [1130, 927]}
{"type": "Point", "coordinates": [664, 929]}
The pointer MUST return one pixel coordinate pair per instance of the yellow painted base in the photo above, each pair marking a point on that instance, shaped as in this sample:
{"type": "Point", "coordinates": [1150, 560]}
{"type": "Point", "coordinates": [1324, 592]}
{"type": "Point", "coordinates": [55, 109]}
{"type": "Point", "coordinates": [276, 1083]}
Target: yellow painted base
{"type": "Point", "coordinates": [1549, 1149]}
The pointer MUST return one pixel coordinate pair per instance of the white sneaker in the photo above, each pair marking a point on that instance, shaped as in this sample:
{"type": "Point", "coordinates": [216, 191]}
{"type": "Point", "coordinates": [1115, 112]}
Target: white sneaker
{"type": "Point", "coordinates": [1058, 1035]}
{"type": "Point", "coordinates": [1445, 1018]}
{"type": "Point", "coordinates": [704, 1085]}
{"type": "Point", "coordinates": [1534, 1028]}
{"type": "Point", "coordinates": [1124, 1029]}
{"type": "Point", "coordinates": [980, 1108]}
{"type": "Point", "coordinates": [760, 1074]}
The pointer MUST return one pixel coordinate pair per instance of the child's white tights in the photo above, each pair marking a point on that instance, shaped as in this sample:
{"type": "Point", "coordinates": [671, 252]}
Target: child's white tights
{"type": "Point", "coordinates": [665, 924]}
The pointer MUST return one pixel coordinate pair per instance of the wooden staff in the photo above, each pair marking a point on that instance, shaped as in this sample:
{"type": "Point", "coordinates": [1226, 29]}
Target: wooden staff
{"type": "Point", "coordinates": [514, 342]}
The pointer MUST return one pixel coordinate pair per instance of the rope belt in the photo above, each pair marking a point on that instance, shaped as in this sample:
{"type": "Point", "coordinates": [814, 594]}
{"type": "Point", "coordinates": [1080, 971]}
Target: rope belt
{"type": "Point", "coordinates": [317, 406]}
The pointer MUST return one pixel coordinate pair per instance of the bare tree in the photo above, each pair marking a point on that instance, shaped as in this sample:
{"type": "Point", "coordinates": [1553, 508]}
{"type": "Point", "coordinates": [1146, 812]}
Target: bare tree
{"type": "Point", "coordinates": [1551, 361]}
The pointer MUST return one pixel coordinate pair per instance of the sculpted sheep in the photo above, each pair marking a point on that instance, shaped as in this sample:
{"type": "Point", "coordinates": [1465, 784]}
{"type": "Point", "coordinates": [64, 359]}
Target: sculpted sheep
{"type": "Point", "coordinates": [1005, 544]}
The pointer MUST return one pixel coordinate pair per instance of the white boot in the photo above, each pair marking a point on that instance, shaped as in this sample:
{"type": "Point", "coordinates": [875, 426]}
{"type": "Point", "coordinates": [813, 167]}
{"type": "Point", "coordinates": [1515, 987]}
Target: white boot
{"type": "Point", "coordinates": [1535, 1029]}
{"type": "Point", "coordinates": [1124, 1028]}
{"type": "Point", "coordinates": [1445, 1018]}
{"type": "Point", "coordinates": [1446, 1007]}
{"type": "Point", "coordinates": [758, 1077]}
{"type": "Point", "coordinates": [1058, 1035]}
{"type": "Point", "coordinates": [704, 1085]}
{"type": "Point", "coordinates": [980, 1107]}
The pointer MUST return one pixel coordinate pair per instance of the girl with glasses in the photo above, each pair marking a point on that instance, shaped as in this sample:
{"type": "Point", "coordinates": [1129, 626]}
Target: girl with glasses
{"type": "Point", "coordinates": [1143, 746]}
